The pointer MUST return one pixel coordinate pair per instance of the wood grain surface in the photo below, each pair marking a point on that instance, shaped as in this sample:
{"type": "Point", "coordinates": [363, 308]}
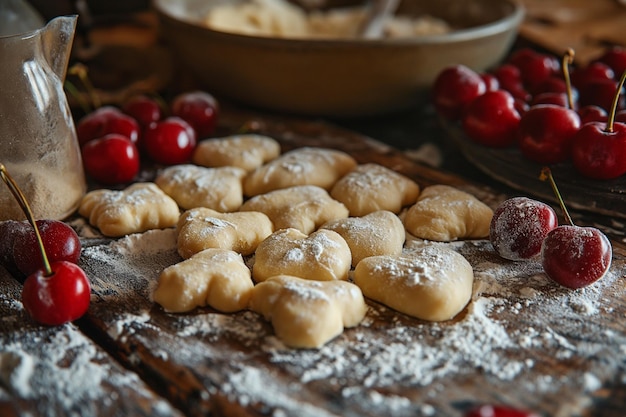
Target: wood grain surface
{"type": "Point", "coordinates": [522, 341]}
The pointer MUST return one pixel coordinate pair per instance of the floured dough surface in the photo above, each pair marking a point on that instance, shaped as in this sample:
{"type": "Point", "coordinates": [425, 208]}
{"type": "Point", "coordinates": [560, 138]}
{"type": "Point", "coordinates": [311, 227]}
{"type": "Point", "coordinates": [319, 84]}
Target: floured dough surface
{"type": "Point", "coordinates": [378, 233]}
{"type": "Point", "coordinates": [140, 207]}
{"type": "Point", "coordinates": [305, 313]}
{"type": "Point", "coordinates": [302, 166]}
{"type": "Point", "coordinates": [248, 151]}
{"type": "Point", "coordinates": [218, 278]}
{"type": "Point", "coordinates": [373, 187]}
{"type": "Point", "coordinates": [443, 213]}
{"type": "Point", "coordinates": [322, 256]}
{"type": "Point", "coordinates": [431, 283]}
{"type": "Point", "coordinates": [194, 186]}
{"type": "Point", "coordinates": [202, 228]}
{"type": "Point", "coordinates": [304, 207]}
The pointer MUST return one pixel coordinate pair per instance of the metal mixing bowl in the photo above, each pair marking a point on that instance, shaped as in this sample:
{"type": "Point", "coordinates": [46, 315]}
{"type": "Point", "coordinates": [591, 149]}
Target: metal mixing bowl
{"type": "Point", "coordinates": [338, 77]}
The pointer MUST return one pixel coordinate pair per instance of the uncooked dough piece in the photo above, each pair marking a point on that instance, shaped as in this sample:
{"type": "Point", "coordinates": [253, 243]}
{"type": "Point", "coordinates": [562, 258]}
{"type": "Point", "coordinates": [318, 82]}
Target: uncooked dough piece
{"type": "Point", "coordinates": [304, 207]}
{"type": "Point", "coordinates": [431, 283]}
{"type": "Point", "coordinates": [248, 151]}
{"type": "Point", "coordinates": [322, 256]}
{"type": "Point", "coordinates": [218, 278]}
{"type": "Point", "coordinates": [301, 166]}
{"type": "Point", "coordinates": [373, 187]}
{"type": "Point", "coordinates": [444, 213]}
{"type": "Point", "coordinates": [194, 186]}
{"type": "Point", "coordinates": [308, 314]}
{"type": "Point", "coordinates": [140, 207]}
{"type": "Point", "coordinates": [203, 228]}
{"type": "Point", "coordinates": [378, 233]}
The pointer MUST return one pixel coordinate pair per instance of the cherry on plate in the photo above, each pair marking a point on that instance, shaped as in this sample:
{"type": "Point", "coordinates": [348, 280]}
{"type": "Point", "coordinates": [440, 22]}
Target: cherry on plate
{"type": "Point", "coordinates": [454, 88]}
{"type": "Point", "coordinates": [492, 119]}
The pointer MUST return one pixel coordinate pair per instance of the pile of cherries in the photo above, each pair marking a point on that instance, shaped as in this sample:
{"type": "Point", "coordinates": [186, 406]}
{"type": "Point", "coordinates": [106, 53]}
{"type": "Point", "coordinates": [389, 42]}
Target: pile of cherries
{"type": "Point", "coordinates": [550, 112]}
{"type": "Point", "coordinates": [573, 256]}
{"type": "Point", "coordinates": [113, 139]}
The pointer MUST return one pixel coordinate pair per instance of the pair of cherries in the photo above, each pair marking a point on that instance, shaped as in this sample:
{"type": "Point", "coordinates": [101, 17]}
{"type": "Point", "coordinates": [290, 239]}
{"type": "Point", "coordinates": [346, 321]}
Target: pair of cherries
{"type": "Point", "coordinates": [44, 254]}
{"type": "Point", "coordinates": [571, 255]}
{"type": "Point", "coordinates": [550, 117]}
{"type": "Point", "coordinates": [112, 139]}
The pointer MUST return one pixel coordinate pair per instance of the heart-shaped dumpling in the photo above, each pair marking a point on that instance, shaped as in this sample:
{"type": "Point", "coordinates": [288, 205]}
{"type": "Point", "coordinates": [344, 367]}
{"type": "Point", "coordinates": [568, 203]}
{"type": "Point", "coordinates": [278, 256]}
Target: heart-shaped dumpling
{"type": "Point", "coordinates": [247, 151]}
{"type": "Point", "coordinates": [378, 233]}
{"type": "Point", "coordinates": [302, 166]}
{"type": "Point", "coordinates": [304, 207]}
{"type": "Point", "coordinates": [202, 228]}
{"type": "Point", "coordinates": [194, 186]}
{"type": "Point", "coordinates": [305, 313]}
{"type": "Point", "coordinates": [444, 213]}
{"type": "Point", "coordinates": [215, 277]}
{"type": "Point", "coordinates": [430, 283]}
{"type": "Point", "coordinates": [372, 187]}
{"type": "Point", "coordinates": [322, 256]}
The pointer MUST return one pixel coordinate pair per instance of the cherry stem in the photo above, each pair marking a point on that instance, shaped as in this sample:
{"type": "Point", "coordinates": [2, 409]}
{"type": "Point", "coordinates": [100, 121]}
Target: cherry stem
{"type": "Point", "coordinates": [80, 70]}
{"type": "Point", "coordinates": [568, 59]}
{"type": "Point", "coordinates": [21, 200]}
{"type": "Point", "coordinates": [611, 121]}
{"type": "Point", "coordinates": [546, 173]}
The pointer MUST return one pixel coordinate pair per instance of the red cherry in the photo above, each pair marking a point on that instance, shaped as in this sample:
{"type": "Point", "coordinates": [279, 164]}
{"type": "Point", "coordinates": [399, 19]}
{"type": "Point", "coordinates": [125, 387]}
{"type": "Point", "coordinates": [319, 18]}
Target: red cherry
{"type": "Point", "coordinates": [143, 109]}
{"type": "Point", "coordinates": [170, 141]}
{"type": "Point", "coordinates": [601, 93]}
{"type": "Point", "coordinates": [551, 84]}
{"type": "Point", "coordinates": [60, 241]}
{"type": "Point", "coordinates": [592, 113]}
{"type": "Point", "coordinates": [546, 132]}
{"type": "Point", "coordinates": [106, 120]}
{"type": "Point", "coordinates": [600, 153]}
{"type": "Point", "coordinates": [492, 119]}
{"type": "Point", "coordinates": [454, 88]}
{"type": "Point", "coordinates": [59, 298]}
{"type": "Point", "coordinates": [615, 58]}
{"type": "Point", "coordinates": [575, 256]}
{"type": "Point", "coordinates": [498, 411]}
{"type": "Point", "coordinates": [491, 82]}
{"type": "Point", "coordinates": [558, 99]}
{"type": "Point", "coordinates": [592, 72]}
{"type": "Point", "coordinates": [620, 116]}
{"type": "Point", "coordinates": [111, 159]}
{"type": "Point", "coordinates": [534, 67]}
{"type": "Point", "coordinates": [10, 232]}
{"type": "Point", "coordinates": [199, 109]}
{"type": "Point", "coordinates": [510, 79]}
{"type": "Point", "coordinates": [519, 226]}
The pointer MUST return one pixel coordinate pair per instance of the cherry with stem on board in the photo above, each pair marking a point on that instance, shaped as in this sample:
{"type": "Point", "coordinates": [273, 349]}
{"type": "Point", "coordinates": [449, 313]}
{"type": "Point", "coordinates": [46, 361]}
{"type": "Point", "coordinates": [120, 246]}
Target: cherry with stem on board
{"type": "Point", "coordinates": [571, 255]}
{"type": "Point", "coordinates": [58, 292]}
{"type": "Point", "coordinates": [599, 149]}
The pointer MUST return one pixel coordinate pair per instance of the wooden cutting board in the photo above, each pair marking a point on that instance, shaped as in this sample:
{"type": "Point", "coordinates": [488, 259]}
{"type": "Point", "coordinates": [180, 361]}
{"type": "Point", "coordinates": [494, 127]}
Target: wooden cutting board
{"type": "Point", "coordinates": [521, 341]}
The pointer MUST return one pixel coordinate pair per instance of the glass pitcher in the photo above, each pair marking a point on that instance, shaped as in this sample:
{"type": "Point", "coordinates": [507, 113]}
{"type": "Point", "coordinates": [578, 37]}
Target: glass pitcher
{"type": "Point", "coordinates": [38, 143]}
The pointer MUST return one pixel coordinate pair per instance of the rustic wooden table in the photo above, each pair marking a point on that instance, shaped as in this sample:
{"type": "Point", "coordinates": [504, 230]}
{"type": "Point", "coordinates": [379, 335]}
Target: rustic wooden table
{"type": "Point", "coordinates": [522, 341]}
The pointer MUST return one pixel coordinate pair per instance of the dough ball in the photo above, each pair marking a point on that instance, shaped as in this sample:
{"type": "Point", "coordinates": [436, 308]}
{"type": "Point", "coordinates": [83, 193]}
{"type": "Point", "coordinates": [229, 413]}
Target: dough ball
{"type": "Point", "coordinates": [301, 166]}
{"type": "Point", "coordinates": [443, 213]}
{"type": "Point", "coordinates": [308, 314]}
{"type": "Point", "coordinates": [373, 187]}
{"type": "Point", "coordinates": [138, 208]}
{"type": "Point", "coordinates": [431, 283]}
{"type": "Point", "coordinates": [193, 186]}
{"type": "Point", "coordinates": [248, 151]}
{"type": "Point", "coordinates": [322, 256]}
{"type": "Point", "coordinates": [202, 228]}
{"type": "Point", "coordinates": [304, 207]}
{"type": "Point", "coordinates": [215, 277]}
{"type": "Point", "coordinates": [378, 233]}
